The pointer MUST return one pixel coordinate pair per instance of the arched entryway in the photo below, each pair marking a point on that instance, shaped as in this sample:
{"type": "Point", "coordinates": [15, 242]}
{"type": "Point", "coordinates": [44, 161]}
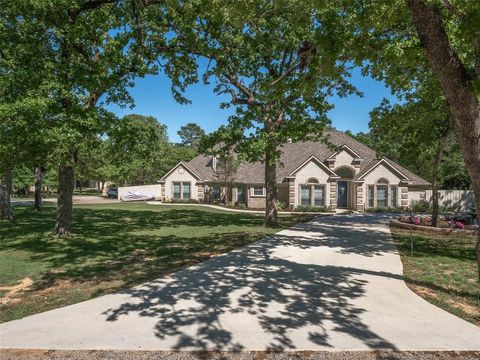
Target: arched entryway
{"type": "Point", "coordinates": [345, 193]}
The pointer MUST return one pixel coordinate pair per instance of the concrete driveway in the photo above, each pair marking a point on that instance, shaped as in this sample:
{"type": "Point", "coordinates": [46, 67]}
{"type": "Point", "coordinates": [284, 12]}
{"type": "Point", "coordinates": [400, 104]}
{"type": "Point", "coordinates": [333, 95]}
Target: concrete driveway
{"type": "Point", "coordinates": [333, 284]}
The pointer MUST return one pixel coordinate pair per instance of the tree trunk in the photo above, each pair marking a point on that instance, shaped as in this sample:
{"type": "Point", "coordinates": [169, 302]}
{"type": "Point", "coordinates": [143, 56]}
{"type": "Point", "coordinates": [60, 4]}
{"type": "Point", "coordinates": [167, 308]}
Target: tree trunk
{"type": "Point", "coordinates": [64, 200]}
{"type": "Point", "coordinates": [6, 212]}
{"type": "Point", "coordinates": [271, 216]}
{"type": "Point", "coordinates": [456, 84]}
{"type": "Point", "coordinates": [436, 166]}
{"type": "Point", "coordinates": [38, 188]}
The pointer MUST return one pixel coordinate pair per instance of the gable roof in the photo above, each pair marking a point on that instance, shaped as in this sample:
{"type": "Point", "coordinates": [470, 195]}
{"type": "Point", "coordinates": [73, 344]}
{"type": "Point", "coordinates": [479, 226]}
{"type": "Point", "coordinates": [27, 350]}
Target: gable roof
{"type": "Point", "coordinates": [348, 149]}
{"type": "Point", "coordinates": [181, 163]}
{"type": "Point", "coordinates": [381, 161]}
{"type": "Point", "coordinates": [319, 162]}
{"type": "Point", "coordinates": [293, 155]}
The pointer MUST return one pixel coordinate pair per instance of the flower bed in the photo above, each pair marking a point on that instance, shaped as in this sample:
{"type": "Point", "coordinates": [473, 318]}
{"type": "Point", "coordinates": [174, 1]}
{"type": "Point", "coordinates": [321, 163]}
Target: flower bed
{"type": "Point", "coordinates": [423, 223]}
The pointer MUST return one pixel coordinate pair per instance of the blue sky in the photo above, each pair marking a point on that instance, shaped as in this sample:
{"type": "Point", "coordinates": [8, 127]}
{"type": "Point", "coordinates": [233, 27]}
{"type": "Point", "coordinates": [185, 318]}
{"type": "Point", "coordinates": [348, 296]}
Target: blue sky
{"type": "Point", "coordinates": [153, 97]}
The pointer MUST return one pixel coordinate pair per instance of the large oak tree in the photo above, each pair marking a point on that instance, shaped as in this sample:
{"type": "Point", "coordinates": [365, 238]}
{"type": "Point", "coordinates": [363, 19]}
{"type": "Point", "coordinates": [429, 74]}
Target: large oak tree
{"type": "Point", "coordinates": [441, 37]}
{"type": "Point", "coordinates": [277, 63]}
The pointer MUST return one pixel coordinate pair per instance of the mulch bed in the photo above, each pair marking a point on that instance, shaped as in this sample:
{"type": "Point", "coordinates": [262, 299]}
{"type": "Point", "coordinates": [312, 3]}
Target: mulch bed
{"type": "Point", "coordinates": [430, 229]}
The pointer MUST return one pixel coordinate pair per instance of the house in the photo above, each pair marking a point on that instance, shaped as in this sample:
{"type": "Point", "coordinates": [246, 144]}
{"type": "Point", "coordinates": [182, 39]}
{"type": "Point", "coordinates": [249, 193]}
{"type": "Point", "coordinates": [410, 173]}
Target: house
{"type": "Point", "coordinates": [310, 173]}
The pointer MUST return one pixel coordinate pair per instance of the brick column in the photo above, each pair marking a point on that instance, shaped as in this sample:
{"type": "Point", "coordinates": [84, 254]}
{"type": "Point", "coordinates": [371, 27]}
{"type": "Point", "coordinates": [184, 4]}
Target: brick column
{"type": "Point", "coordinates": [201, 192]}
{"type": "Point", "coordinates": [162, 192]}
{"type": "Point", "coordinates": [291, 193]}
{"type": "Point", "coordinates": [333, 196]}
{"type": "Point", "coordinates": [360, 201]}
{"type": "Point", "coordinates": [404, 196]}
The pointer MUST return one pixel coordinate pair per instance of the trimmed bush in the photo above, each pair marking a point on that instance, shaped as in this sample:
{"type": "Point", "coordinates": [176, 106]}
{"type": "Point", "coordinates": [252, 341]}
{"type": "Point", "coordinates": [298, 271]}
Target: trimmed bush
{"type": "Point", "coordinates": [308, 208]}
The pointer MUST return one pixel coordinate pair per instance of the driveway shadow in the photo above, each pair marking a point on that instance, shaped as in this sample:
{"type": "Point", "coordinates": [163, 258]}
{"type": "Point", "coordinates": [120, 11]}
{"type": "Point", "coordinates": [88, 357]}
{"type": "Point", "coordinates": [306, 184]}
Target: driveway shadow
{"type": "Point", "coordinates": [198, 307]}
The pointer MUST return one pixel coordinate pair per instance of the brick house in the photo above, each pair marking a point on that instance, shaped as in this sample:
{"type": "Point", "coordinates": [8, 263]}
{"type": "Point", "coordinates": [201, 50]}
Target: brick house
{"type": "Point", "coordinates": [309, 173]}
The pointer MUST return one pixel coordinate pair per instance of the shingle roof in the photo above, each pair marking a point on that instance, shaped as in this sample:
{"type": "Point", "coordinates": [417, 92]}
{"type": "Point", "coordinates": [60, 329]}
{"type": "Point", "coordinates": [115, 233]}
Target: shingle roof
{"type": "Point", "coordinates": [294, 154]}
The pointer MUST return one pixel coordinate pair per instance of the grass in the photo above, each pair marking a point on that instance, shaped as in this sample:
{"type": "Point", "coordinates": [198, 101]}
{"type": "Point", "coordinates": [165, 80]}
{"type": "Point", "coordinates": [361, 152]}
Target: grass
{"type": "Point", "coordinates": [114, 246]}
{"type": "Point", "coordinates": [442, 270]}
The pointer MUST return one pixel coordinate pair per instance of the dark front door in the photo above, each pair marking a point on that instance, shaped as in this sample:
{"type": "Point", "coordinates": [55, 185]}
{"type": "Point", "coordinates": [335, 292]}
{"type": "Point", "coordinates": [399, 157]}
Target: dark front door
{"type": "Point", "coordinates": [342, 194]}
{"type": "Point", "coordinates": [240, 194]}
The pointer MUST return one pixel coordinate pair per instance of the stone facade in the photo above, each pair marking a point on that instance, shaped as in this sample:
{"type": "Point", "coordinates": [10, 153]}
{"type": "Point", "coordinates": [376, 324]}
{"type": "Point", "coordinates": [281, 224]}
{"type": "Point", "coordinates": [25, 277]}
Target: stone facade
{"type": "Point", "coordinates": [255, 202]}
{"type": "Point", "coordinates": [359, 192]}
{"type": "Point", "coordinates": [291, 193]}
{"type": "Point", "coordinates": [333, 196]}
{"type": "Point", "coordinates": [403, 196]}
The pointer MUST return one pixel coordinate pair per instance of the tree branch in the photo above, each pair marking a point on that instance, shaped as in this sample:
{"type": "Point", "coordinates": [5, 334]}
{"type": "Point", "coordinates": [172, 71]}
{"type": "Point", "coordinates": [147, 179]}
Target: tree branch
{"type": "Point", "coordinates": [235, 82]}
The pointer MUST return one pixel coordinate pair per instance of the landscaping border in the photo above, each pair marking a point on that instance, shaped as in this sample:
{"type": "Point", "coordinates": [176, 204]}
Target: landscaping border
{"type": "Point", "coordinates": [437, 230]}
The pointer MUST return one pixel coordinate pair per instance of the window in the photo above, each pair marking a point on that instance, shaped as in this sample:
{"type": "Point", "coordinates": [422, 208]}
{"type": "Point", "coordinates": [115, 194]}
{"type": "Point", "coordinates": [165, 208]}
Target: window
{"type": "Point", "coordinates": [258, 191]}
{"type": "Point", "coordinates": [186, 190]}
{"type": "Point", "coordinates": [394, 196]}
{"type": "Point", "coordinates": [305, 195]}
{"type": "Point", "coordinates": [371, 196]}
{"type": "Point", "coordinates": [382, 196]}
{"type": "Point", "coordinates": [176, 190]}
{"type": "Point", "coordinates": [215, 192]}
{"type": "Point", "coordinates": [319, 195]}
{"type": "Point", "coordinates": [312, 195]}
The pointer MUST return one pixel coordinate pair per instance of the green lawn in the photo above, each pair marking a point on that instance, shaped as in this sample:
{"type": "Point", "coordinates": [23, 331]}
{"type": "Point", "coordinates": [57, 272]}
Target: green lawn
{"type": "Point", "coordinates": [114, 246]}
{"type": "Point", "coordinates": [442, 270]}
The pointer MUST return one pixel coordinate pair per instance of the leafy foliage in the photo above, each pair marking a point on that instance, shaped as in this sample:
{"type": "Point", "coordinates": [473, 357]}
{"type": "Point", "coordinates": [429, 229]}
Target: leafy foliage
{"type": "Point", "coordinates": [191, 134]}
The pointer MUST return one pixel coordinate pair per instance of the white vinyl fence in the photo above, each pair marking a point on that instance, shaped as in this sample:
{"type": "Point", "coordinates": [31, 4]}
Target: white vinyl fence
{"type": "Point", "coordinates": [155, 189]}
{"type": "Point", "coordinates": [459, 200]}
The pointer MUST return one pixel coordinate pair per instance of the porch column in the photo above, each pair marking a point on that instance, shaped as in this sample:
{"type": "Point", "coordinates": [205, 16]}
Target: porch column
{"type": "Point", "coordinates": [360, 202]}
{"type": "Point", "coordinates": [404, 196]}
{"type": "Point", "coordinates": [162, 192]}
{"type": "Point", "coordinates": [200, 192]}
{"type": "Point", "coordinates": [291, 193]}
{"type": "Point", "coordinates": [333, 196]}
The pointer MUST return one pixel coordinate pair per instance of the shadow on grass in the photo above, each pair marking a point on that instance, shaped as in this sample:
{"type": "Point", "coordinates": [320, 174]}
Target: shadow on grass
{"type": "Point", "coordinates": [435, 254]}
{"type": "Point", "coordinates": [133, 242]}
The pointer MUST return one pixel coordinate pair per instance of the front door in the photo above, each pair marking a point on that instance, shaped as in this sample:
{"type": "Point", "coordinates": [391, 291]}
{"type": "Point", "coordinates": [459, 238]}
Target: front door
{"type": "Point", "coordinates": [241, 194]}
{"type": "Point", "coordinates": [342, 194]}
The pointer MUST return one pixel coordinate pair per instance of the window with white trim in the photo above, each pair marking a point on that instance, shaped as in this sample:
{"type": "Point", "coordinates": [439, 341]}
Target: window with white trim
{"type": "Point", "coordinates": [176, 189]}
{"type": "Point", "coordinates": [305, 195]}
{"type": "Point", "coordinates": [312, 194]}
{"type": "Point", "coordinates": [186, 190]}
{"type": "Point", "coordinates": [382, 196]}
{"type": "Point", "coordinates": [394, 191]}
{"type": "Point", "coordinates": [319, 195]}
{"type": "Point", "coordinates": [258, 191]}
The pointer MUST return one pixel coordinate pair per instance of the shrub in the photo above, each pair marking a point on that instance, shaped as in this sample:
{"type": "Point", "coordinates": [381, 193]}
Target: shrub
{"type": "Point", "coordinates": [420, 206]}
{"type": "Point", "coordinates": [282, 205]}
{"type": "Point", "coordinates": [308, 208]}
{"type": "Point", "coordinates": [384, 210]}
{"type": "Point", "coordinates": [182, 201]}
{"type": "Point", "coordinates": [241, 206]}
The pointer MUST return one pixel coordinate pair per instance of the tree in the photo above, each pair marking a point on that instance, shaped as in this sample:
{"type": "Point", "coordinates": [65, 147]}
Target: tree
{"type": "Point", "coordinates": [95, 49]}
{"type": "Point", "coordinates": [414, 133]}
{"type": "Point", "coordinates": [436, 37]}
{"type": "Point", "coordinates": [24, 89]}
{"type": "Point", "coordinates": [191, 134]}
{"type": "Point", "coordinates": [455, 60]}
{"type": "Point", "coordinates": [277, 66]}
{"type": "Point", "coordinates": [226, 168]}
{"type": "Point", "coordinates": [137, 148]}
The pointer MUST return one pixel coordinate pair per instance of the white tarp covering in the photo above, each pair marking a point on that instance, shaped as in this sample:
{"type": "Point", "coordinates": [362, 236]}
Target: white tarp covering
{"type": "Point", "coordinates": [137, 196]}
{"type": "Point", "coordinates": [154, 189]}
